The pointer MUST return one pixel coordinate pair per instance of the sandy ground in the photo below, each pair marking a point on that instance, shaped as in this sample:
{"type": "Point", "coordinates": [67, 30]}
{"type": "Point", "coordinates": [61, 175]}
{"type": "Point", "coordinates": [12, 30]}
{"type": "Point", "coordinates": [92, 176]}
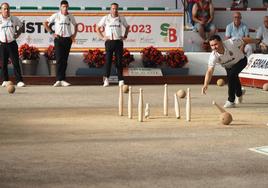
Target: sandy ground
{"type": "Point", "coordinates": [73, 137]}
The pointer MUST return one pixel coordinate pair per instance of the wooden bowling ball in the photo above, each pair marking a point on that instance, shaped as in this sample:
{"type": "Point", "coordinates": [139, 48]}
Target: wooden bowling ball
{"type": "Point", "coordinates": [220, 82]}
{"type": "Point", "coordinates": [226, 118]}
{"type": "Point", "coordinates": [11, 89]}
{"type": "Point", "coordinates": [181, 93]}
{"type": "Point", "coordinates": [125, 88]}
{"type": "Point", "coordinates": [265, 87]}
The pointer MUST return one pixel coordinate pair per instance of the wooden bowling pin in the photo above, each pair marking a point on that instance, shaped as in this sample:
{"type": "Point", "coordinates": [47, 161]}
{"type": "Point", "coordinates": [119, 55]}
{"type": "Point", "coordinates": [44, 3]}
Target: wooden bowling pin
{"type": "Point", "coordinates": [130, 103]}
{"type": "Point", "coordinates": [188, 105]}
{"type": "Point", "coordinates": [165, 102]}
{"type": "Point", "coordinates": [120, 101]}
{"type": "Point", "coordinates": [177, 106]}
{"type": "Point", "coordinates": [140, 106]}
{"type": "Point", "coordinates": [219, 107]}
{"type": "Point", "coordinates": [147, 111]}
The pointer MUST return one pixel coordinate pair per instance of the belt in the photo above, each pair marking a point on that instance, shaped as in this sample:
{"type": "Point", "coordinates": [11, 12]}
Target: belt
{"type": "Point", "coordinates": [6, 42]}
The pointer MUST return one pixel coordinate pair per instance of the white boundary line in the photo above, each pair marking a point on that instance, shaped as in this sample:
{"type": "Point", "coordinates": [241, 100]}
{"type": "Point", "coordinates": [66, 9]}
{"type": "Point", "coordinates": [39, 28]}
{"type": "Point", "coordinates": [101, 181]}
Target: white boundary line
{"type": "Point", "coordinates": [258, 150]}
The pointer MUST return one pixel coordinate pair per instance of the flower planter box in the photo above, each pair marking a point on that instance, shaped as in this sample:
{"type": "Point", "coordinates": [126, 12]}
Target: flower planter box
{"type": "Point", "coordinates": [29, 67]}
{"type": "Point", "coordinates": [168, 71]}
{"type": "Point", "coordinates": [94, 71]}
{"type": "Point", "coordinates": [51, 64]}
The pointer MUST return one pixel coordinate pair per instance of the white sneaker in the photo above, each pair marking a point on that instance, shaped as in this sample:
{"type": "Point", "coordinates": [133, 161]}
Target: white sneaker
{"type": "Point", "coordinates": [57, 84]}
{"type": "Point", "coordinates": [121, 83]}
{"type": "Point", "coordinates": [105, 82]}
{"type": "Point", "coordinates": [4, 84]}
{"type": "Point", "coordinates": [229, 104]}
{"type": "Point", "coordinates": [243, 91]}
{"type": "Point", "coordinates": [240, 99]}
{"type": "Point", "coordinates": [21, 84]}
{"type": "Point", "coordinates": [64, 83]}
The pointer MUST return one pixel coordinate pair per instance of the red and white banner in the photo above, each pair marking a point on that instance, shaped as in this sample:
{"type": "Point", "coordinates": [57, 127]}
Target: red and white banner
{"type": "Point", "coordinates": [255, 74]}
{"type": "Point", "coordinates": [162, 30]}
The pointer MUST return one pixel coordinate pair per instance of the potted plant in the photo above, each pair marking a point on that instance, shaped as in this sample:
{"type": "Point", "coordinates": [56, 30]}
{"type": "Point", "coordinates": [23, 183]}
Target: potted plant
{"type": "Point", "coordinates": [175, 60]}
{"type": "Point", "coordinates": [94, 58]}
{"type": "Point", "coordinates": [50, 54]}
{"type": "Point", "coordinates": [29, 56]}
{"type": "Point", "coordinates": [151, 57]}
{"type": "Point", "coordinates": [126, 59]}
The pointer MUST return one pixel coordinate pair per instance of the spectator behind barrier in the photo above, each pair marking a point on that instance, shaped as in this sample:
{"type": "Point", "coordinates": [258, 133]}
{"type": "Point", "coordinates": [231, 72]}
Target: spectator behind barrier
{"type": "Point", "coordinates": [238, 30]}
{"type": "Point", "coordinates": [236, 3]}
{"type": "Point", "coordinates": [265, 3]}
{"type": "Point", "coordinates": [189, 8]}
{"type": "Point", "coordinates": [262, 34]}
{"type": "Point", "coordinates": [202, 15]}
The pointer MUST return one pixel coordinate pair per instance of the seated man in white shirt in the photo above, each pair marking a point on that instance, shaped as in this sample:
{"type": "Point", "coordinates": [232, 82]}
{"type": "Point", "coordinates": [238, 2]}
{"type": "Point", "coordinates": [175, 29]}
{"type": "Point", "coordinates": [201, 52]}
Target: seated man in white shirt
{"type": "Point", "coordinates": [229, 54]}
{"type": "Point", "coordinates": [262, 34]}
{"type": "Point", "coordinates": [238, 30]}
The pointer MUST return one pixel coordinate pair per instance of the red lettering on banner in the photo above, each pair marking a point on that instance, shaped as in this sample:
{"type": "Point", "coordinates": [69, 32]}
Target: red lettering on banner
{"type": "Point", "coordinates": [88, 28]}
{"type": "Point", "coordinates": [140, 28]}
{"type": "Point", "coordinates": [172, 35]}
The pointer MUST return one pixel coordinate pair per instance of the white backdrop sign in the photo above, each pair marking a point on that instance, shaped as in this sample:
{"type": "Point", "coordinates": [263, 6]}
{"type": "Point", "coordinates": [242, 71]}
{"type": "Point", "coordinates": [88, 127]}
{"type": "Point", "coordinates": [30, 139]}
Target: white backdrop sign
{"type": "Point", "coordinates": [162, 30]}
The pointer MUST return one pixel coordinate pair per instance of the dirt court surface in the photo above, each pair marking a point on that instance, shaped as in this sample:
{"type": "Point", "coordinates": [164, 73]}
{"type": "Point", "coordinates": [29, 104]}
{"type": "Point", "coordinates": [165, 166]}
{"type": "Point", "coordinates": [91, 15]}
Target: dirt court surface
{"type": "Point", "coordinates": [73, 137]}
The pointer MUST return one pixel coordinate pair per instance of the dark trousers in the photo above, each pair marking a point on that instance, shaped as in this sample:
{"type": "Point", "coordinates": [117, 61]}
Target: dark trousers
{"type": "Point", "coordinates": [10, 50]}
{"type": "Point", "coordinates": [62, 48]}
{"type": "Point", "coordinates": [111, 47]}
{"type": "Point", "coordinates": [234, 85]}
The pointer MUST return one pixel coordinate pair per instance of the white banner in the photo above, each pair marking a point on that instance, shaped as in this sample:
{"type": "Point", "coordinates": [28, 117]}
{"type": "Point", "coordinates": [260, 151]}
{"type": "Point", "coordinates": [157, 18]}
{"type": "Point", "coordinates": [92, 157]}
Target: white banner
{"type": "Point", "coordinates": [257, 67]}
{"type": "Point", "coordinates": [161, 30]}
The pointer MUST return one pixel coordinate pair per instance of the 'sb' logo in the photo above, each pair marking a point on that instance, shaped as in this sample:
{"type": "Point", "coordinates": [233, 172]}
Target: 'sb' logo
{"type": "Point", "coordinates": [168, 32]}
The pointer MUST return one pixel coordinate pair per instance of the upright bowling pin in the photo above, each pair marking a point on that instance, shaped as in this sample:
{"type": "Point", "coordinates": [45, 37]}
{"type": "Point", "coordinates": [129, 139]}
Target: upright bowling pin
{"type": "Point", "coordinates": [120, 101]}
{"type": "Point", "coordinates": [165, 102]}
{"type": "Point", "coordinates": [140, 106]}
{"type": "Point", "coordinates": [188, 105]}
{"type": "Point", "coordinates": [147, 111]}
{"type": "Point", "coordinates": [177, 106]}
{"type": "Point", "coordinates": [130, 103]}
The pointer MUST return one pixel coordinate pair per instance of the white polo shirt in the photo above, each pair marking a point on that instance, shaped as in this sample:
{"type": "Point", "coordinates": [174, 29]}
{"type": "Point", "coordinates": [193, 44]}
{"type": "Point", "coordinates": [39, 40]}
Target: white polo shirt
{"type": "Point", "coordinates": [113, 26]}
{"type": "Point", "coordinates": [262, 34]}
{"type": "Point", "coordinates": [8, 28]}
{"type": "Point", "coordinates": [62, 24]}
{"type": "Point", "coordinates": [232, 54]}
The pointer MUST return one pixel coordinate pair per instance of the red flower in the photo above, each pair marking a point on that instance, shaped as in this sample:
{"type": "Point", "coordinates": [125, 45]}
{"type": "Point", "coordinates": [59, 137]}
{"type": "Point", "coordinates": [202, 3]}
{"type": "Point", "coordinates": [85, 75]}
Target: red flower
{"type": "Point", "coordinates": [28, 52]}
{"type": "Point", "coordinates": [151, 57]}
{"type": "Point", "coordinates": [126, 59]}
{"type": "Point", "coordinates": [176, 58]}
{"type": "Point", "coordinates": [50, 53]}
{"type": "Point", "coordinates": [94, 58]}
